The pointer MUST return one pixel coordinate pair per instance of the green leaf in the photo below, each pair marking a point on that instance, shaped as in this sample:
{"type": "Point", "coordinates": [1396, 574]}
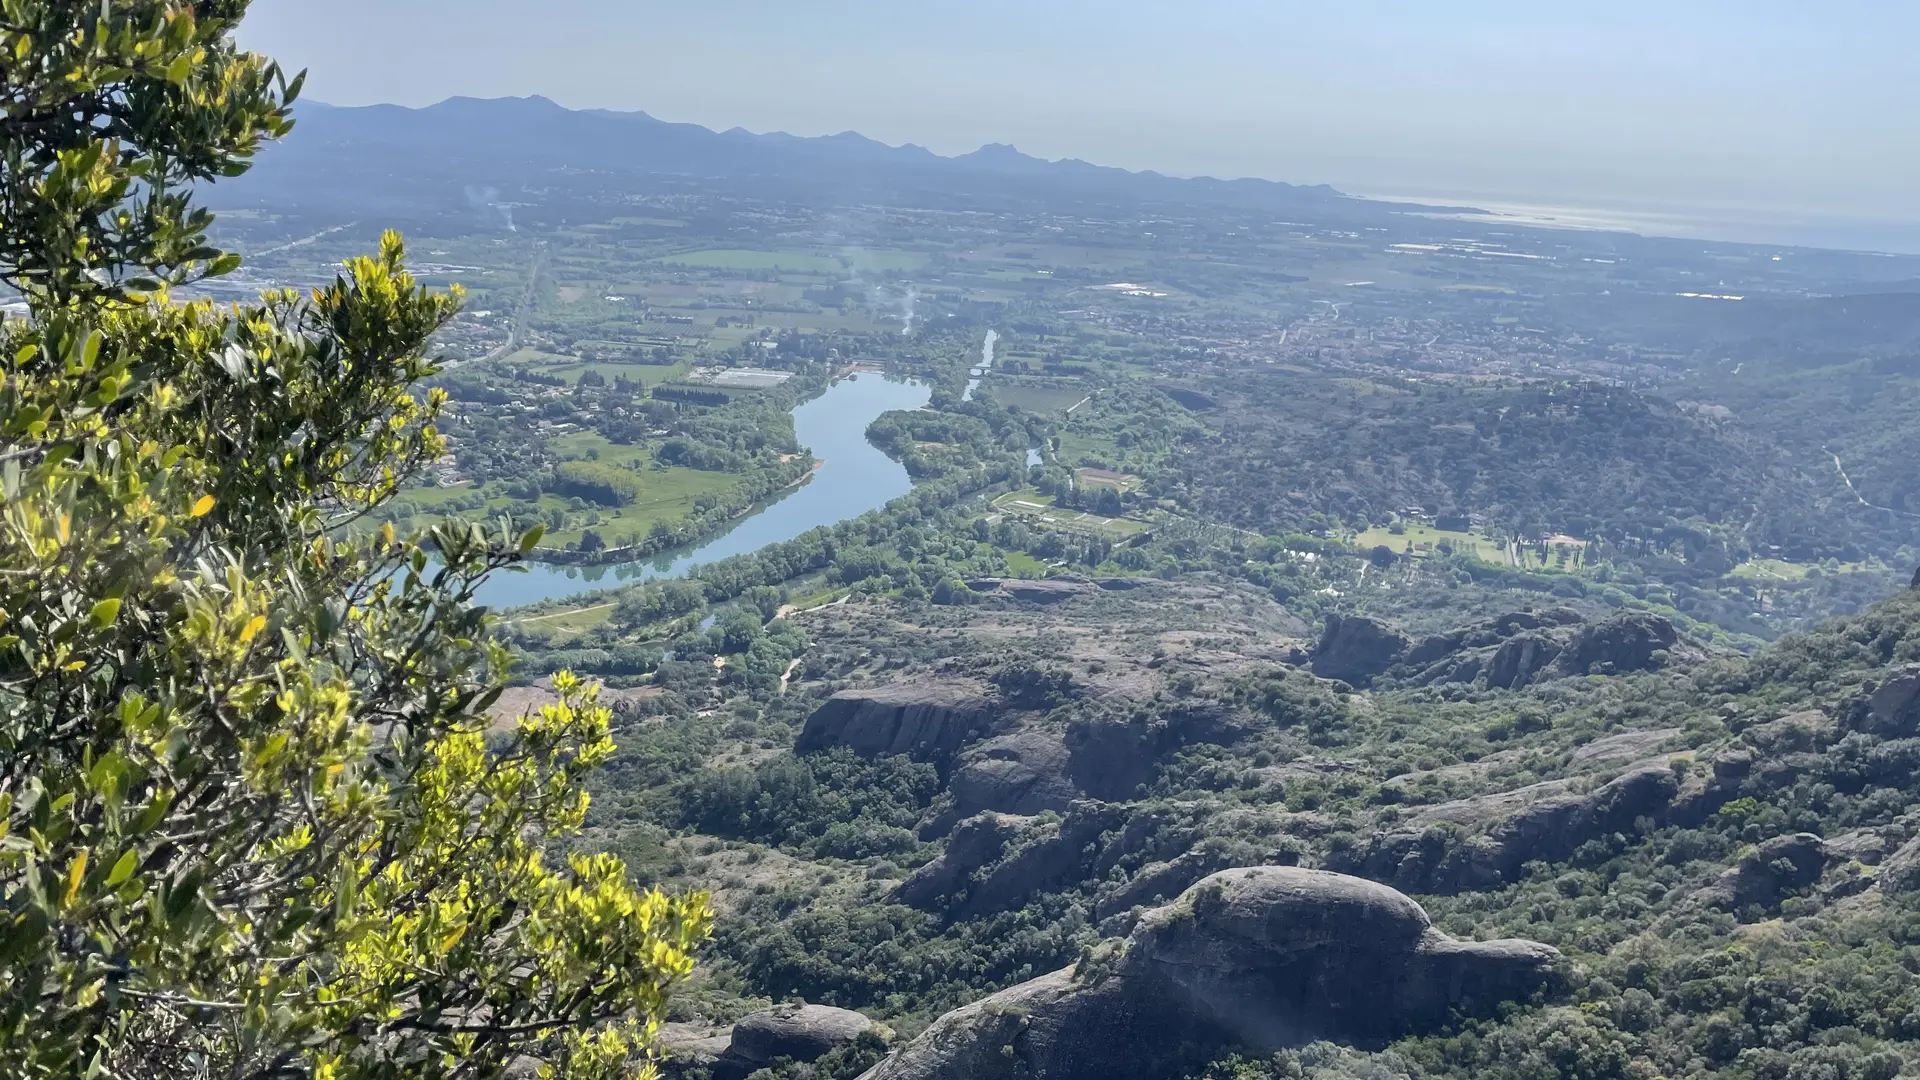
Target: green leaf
{"type": "Point", "coordinates": [122, 868]}
{"type": "Point", "coordinates": [104, 612]}
{"type": "Point", "coordinates": [531, 537]}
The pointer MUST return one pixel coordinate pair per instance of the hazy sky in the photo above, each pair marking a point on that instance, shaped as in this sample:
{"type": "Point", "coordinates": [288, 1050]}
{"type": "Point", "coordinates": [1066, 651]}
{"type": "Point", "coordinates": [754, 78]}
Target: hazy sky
{"type": "Point", "coordinates": [1775, 104]}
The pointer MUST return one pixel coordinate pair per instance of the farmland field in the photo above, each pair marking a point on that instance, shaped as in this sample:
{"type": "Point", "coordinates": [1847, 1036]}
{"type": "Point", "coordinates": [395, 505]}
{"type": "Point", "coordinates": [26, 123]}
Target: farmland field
{"type": "Point", "coordinates": [1036, 397]}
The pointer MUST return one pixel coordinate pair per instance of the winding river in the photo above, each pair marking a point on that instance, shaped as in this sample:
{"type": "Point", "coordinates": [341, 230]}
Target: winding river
{"type": "Point", "coordinates": [853, 477]}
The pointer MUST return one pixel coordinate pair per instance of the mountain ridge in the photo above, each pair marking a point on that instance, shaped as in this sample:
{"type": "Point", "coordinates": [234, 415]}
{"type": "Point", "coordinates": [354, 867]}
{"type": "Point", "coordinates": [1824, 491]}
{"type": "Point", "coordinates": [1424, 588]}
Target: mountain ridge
{"type": "Point", "coordinates": [409, 159]}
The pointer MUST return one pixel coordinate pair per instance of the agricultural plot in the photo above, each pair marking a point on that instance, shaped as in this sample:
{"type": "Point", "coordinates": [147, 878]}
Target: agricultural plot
{"type": "Point", "coordinates": [1033, 506]}
{"type": "Point", "coordinates": [1122, 482]}
{"type": "Point", "coordinates": [1421, 540]}
{"type": "Point", "coordinates": [1036, 397]}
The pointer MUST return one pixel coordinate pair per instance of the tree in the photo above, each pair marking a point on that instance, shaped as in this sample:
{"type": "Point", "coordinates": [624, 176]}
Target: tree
{"type": "Point", "coordinates": [250, 823]}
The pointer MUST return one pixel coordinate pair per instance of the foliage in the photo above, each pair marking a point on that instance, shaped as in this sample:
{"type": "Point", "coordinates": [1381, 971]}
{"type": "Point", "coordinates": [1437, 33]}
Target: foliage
{"type": "Point", "coordinates": [250, 823]}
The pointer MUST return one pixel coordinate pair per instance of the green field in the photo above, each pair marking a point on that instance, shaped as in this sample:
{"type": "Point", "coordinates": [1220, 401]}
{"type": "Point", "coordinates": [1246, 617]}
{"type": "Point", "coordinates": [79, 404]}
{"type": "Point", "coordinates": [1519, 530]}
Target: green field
{"type": "Point", "coordinates": [1036, 397]}
{"type": "Point", "coordinates": [1030, 504]}
{"type": "Point", "coordinates": [1425, 539]}
{"type": "Point", "coordinates": [669, 493]}
{"type": "Point", "coordinates": [1779, 570]}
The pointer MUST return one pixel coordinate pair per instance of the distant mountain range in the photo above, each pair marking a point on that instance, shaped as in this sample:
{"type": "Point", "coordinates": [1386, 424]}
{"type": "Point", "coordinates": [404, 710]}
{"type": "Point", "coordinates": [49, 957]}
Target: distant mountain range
{"type": "Point", "coordinates": [388, 159]}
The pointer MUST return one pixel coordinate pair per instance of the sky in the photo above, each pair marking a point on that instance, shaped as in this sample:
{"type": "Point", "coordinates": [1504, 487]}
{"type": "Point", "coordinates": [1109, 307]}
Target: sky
{"type": "Point", "coordinates": [1777, 107]}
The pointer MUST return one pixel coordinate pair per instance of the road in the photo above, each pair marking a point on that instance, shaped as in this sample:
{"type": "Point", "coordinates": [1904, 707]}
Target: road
{"type": "Point", "coordinates": [523, 314]}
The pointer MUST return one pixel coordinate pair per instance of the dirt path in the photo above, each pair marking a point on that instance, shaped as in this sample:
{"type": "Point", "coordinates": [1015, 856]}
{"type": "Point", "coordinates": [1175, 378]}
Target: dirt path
{"type": "Point", "coordinates": [792, 666]}
{"type": "Point", "coordinates": [572, 611]}
{"type": "Point", "coordinates": [1848, 480]}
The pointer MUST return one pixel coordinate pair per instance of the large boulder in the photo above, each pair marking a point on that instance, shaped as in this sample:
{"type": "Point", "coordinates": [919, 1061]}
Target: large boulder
{"type": "Point", "coordinates": [1775, 869]}
{"type": "Point", "coordinates": [796, 1032]}
{"type": "Point", "coordinates": [928, 720]}
{"type": "Point", "coordinates": [1355, 649]}
{"type": "Point", "coordinates": [973, 843]}
{"type": "Point", "coordinates": [1021, 773]}
{"type": "Point", "coordinates": [1520, 658]}
{"type": "Point", "coordinates": [1260, 958]}
{"type": "Point", "coordinates": [1893, 709]}
{"type": "Point", "coordinates": [1628, 641]}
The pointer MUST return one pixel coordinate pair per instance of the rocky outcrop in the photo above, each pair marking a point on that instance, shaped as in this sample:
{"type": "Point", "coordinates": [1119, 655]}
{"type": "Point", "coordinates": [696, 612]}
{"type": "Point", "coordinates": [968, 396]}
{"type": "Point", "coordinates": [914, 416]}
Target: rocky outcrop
{"type": "Point", "coordinates": [1520, 658]}
{"type": "Point", "coordinates": [971, 845]}
{"type": "Point", "coordinates": [1482, 842]}
{"type": "Point", "coordinates": [1521, 648]}
{"type": "Point", "coordinates": [1110, 756]}
{"type": "Point", "coordinates": [1900, 873]}
{"type": "Point", "coordinates": [797, 1032]}
{"type": "Point", "coordinates": [1893, 709]}
{"type": "Point", "coordinates": [1158, 882]}
{"type": "Point", "coordinates": [800, 1033]}
{"type": "Point", "coordinates": [1260, 958]}
{"type": "Point", "coordinates": [996, 861]}
{"type": "Point", "coordinates": [1355, 649]}
{"type": "Point", "coordinates": [1022, 773]}
{"type": "Point", "coordinates": [1053, 590]}
{"type": "Point", "coordinates": [1764, 876]}
{"type": "Point", "coordinates": [1628, 641]}
{"type": "Point", "coordinates": [928, 720]}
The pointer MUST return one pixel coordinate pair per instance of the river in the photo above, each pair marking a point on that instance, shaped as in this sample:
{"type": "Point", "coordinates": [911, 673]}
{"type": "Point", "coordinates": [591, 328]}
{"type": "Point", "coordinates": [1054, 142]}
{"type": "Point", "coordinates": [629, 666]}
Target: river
{"type": "Point", "coordinates": [853, 478]}
{"type": "Point", "coordinates": [986, 366]}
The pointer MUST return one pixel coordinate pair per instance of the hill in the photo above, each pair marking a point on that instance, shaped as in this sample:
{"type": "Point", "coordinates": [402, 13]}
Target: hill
{"type": "Point", "coordinates": [392, 159]}
{"type": "Point", "coordinates": [1705, 863]}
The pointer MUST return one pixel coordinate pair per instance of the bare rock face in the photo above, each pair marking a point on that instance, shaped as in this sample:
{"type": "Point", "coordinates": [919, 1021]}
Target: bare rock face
{"type": "Point", "coordinates": [1520, 658]}
{"type": "Point", "coordinates": [1525, 647]}
{"type": "Point", "coordinates": [1053, 590]}
{"type": "Point", "coordinates": [974, 843]}
{"type": "Point", "coordinates": [1022, 773]}
{"type": "Point", "coordinates": [1771, 871]}
{"type": "Point", "coordinates": [1544, 821]}
{"type": "Point", "coordinates": [798, 1032]}
{"type": "Point", "coordinates": [1894, 707]}
{"type": "Point", "coordinates": [1355, 649]}
{"type": "Point", "coordinates": [1900, 873]}
{"type": "Point", "coordinates": [1618, 644]}
{"type": "Point", "coordinates": [1259, 958]}
{"type": "Point", "coordinates": [928, 720]}
{"type": "Point", "coordinates": [996, 861]}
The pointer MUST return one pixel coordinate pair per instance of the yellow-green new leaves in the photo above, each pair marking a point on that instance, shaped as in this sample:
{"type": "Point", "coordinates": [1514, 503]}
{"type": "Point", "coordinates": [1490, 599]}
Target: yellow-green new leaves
{"type": "Point", "coordinates": [249, 813]}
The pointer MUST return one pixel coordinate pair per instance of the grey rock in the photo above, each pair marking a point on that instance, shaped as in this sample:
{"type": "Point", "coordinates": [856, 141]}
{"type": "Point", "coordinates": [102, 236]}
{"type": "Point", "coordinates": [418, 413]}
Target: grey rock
{"type": "Point", "coordinates": [1122, 584]}
{"type": "Point", "coordinates": [1260, 958]}
{"type": "Point", "coordinates": [1160, 880]}
{"type": "Point", "coordinates": [691, 1046]}
{"type": "Point", "coordinates": [1048, 591]}
{"type": "Point", "coordinates": [996, 861]}
{"type": "Point", "coordinates": [1618, 644]}
{"type": "Point", "coordinates": [1111, 756]}
{"type": "Point", "coordinates": [972, 844]}
{"type": "Point", "coordinates": [1520, 658]}
{"type": "Point", "coordinates": [799, 1032]}
{"type": "Point", "coordinates": [1894, 706]}
{"type": "Point", "coordinates": [928, 720]}
{"type": "Point", "coordinates": [1779, 866]}
{"type": "Point", "coordinates": [1022, 773]}
{"type": "Point", "coordinates": [1795, 733]}
{"type": "Point", "coordinates": [1356, 649]}
{"type": "Point", "coordinates": [1484, 841]}
{"type": "Point", "coordinates": [1900, 873]}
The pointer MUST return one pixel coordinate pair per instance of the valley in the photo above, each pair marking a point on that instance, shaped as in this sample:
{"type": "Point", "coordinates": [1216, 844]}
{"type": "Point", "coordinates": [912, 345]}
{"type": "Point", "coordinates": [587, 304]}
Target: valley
{"type": "Point", "coordinates": [1010, 593]}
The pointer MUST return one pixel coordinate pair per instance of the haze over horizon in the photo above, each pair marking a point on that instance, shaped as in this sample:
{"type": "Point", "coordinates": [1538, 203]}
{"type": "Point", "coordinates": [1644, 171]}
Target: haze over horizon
{"type": "Point", "coordinates": [1733, 119]}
